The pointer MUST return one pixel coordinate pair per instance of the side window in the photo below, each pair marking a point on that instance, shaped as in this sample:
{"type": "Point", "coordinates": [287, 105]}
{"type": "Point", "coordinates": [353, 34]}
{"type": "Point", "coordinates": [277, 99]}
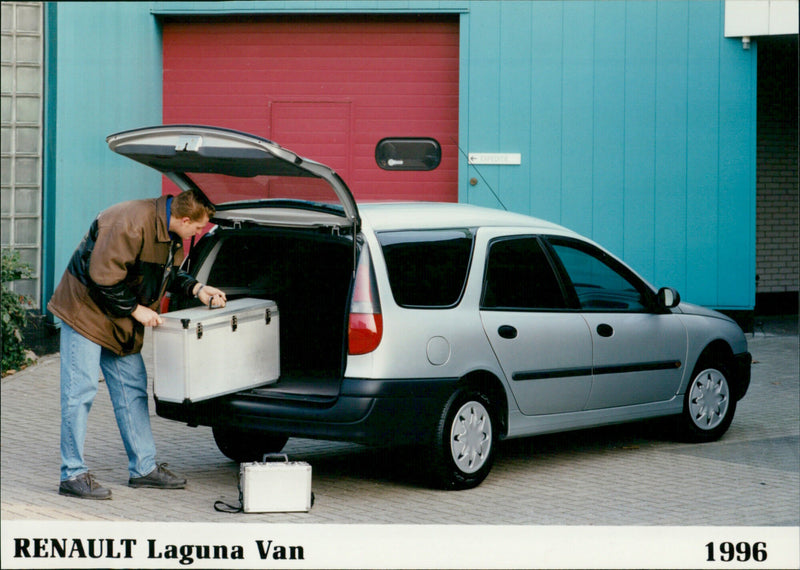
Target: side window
{"type": "Point", "coordinates": [598, 285]}
{"type": "Point", "coordinates": [519, 276]}
{"type": "Point", "coordinates": [427, 268]}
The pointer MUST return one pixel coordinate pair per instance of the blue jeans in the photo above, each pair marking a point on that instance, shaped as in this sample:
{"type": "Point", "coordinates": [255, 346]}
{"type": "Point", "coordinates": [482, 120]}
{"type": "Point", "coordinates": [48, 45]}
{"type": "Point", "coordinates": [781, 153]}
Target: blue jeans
{"type": "Point", "coordinates": [126, 378]}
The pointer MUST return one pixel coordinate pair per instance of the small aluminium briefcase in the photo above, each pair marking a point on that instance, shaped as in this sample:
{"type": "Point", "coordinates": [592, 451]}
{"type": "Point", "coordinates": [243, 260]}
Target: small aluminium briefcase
{"type": "Point", "coordinates": [201, 353]}
{"type": "Point", "coordinates": [275, 485]}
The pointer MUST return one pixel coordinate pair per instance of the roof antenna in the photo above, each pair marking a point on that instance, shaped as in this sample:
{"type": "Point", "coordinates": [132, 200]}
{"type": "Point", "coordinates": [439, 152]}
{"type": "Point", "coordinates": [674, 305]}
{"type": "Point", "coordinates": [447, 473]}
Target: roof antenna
{"type": "Point", "coordinates": [496, 197]}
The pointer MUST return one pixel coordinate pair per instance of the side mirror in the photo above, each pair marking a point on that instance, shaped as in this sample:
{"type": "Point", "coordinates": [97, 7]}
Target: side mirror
{"type": "Point", "coordinates": [668, 297]}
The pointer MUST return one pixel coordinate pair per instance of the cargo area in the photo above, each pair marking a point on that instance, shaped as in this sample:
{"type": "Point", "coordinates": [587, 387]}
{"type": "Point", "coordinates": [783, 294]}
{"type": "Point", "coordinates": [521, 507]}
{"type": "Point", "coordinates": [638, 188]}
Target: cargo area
{"type": "Point", "coordinates": [308, 275]}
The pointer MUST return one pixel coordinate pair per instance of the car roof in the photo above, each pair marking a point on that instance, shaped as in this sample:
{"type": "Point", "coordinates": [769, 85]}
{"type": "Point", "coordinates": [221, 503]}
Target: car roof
{"type": "Point", "coordinates": [383, 216]}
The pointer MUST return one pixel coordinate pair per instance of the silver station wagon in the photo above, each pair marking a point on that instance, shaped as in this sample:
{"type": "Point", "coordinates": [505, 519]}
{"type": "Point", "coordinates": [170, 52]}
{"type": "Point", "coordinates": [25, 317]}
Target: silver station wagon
{"type": "Point", "coordinates": [444, 326]}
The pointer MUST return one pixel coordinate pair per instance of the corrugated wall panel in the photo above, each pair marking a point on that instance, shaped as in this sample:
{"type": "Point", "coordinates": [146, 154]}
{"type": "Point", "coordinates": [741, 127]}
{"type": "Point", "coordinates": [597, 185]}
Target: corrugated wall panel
{"type": "Point", "coordinates": [485, 116]}
{"type": "Point", "coordinates": [640, 118]}
{"type": "Point", "coordinates": [515, 82]}
{"type": "Point", "coordinates": [639, 247]}
{"type": "Point", "coordinates": [736, 210]}
{"type": "Point", "coordinates": [703, 120]}
{"type": "Point", "coordinates": [671, 153]}
{"type": "Point", "coordinates": [290, 79]}
{"type": "Point", "coordinates": [609, 124]}
{"type": "Point", "coordinates": [577, 93]}
{"type": "Point", "coordinates": [546, 111]}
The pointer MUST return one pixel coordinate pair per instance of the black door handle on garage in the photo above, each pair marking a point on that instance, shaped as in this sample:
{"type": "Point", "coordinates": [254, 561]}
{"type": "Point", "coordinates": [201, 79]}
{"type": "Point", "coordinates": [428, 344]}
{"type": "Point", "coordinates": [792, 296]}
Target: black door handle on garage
{"type": "Point", "coordinates": [507, 331]}
{"type": "Point", "coordinates": [605, 330]}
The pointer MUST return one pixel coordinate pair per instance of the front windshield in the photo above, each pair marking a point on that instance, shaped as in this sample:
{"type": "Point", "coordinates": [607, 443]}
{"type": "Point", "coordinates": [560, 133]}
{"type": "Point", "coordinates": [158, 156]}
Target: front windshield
{"type": "Point", "coordinates": [221, 188]}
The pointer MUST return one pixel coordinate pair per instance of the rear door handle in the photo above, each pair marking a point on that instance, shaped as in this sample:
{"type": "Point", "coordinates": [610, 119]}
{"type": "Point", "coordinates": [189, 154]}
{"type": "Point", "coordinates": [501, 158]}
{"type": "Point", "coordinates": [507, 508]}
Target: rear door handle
{"type": "Point", "coordinates": [507, 331]}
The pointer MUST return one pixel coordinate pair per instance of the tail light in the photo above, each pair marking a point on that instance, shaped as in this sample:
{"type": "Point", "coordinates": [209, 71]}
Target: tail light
{"type": "Point", "coordinates": [365, 326]}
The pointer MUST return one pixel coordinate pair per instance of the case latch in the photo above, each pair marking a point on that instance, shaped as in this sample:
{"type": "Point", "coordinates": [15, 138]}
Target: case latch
{"type": "Point", "coordinates": [268, 316]}
{"type": "Point", "coordinates": [199, 330]}
{"type": "Point", "coordinates": [234, 323]}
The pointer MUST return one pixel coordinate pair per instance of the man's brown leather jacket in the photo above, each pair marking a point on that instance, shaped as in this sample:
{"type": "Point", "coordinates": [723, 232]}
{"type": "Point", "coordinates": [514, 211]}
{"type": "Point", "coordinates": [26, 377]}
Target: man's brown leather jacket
{"type": "Point", "coordinates": [120, 263]}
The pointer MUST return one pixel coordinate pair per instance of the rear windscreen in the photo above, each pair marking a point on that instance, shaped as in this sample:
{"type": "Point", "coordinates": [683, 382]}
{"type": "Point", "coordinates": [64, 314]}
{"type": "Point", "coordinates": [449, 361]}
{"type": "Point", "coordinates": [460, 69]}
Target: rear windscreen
{"type": "Point", "coordinates": [222, 188]}
{"type": "Point", "coordinates": [427, 268]}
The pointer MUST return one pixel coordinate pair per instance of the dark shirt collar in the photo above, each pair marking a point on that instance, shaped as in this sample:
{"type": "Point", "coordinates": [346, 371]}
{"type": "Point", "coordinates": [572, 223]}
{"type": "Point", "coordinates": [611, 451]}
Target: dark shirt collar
{"type": "Point", "coordinates": [173, 235]}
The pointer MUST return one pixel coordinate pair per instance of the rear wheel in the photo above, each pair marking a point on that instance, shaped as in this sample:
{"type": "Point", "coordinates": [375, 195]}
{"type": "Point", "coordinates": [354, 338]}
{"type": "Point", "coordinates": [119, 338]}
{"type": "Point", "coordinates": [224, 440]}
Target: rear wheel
{"type": "Point", "coordinates": [709, 404]}
{"type": "Point", "coordinates": [463, 448]}
{"type": "Point", "coordinates": [244, 445]}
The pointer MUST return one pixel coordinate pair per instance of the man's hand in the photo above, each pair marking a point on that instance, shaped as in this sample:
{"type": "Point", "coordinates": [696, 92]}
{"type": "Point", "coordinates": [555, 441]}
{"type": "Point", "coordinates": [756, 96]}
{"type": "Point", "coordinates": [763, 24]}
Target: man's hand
{"type": "Point", "coordinates": [148, 317]}
{"type": "Point", "coordinates": [212, 296]}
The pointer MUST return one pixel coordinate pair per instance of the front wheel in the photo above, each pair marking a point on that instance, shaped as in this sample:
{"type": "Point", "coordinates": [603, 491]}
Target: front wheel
{"type": "Point", "coordinates": [463, 448]}
{"type": "Point", "coordinates": [709, 404]}
{"type": "Point", "coordinates": [244, 445]}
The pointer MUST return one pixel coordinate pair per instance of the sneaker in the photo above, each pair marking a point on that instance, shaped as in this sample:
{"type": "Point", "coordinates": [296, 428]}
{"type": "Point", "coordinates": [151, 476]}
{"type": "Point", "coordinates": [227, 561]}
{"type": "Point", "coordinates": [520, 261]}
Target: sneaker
{"type": "Point", "coordinates": [158, 478]}
{"type": "Point", "coordinates": [83, 486]}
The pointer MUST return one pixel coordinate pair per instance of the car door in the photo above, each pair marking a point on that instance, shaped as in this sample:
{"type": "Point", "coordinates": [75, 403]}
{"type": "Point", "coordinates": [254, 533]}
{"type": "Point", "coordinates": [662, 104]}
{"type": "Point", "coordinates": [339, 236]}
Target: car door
{"type": "Point", "coordinates": [639, 351]}
{"type": "Point", "coordinates": [544, 349]}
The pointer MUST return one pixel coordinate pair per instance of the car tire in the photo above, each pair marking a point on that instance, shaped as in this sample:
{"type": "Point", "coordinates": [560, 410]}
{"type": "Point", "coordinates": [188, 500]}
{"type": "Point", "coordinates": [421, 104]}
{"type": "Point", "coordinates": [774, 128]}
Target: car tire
{"type": "Point", "coordinates": [709, 403]}
{"type": "Point", "coordinates": [465, 438]}
{"type": "Point", "coordinates": [244, 445]}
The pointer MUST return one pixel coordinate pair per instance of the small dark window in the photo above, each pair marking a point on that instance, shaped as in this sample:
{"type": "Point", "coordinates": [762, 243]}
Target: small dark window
{"type": "Point", "coordinates": [408, 154]}
{"type": "Point", "coordinates": [519, 276]}
{"type": "Point", "coordinates": [427, 268]}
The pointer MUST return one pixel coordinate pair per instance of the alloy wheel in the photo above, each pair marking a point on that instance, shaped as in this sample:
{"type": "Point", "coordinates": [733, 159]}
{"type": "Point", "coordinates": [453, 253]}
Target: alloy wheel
{"type": "Point", "coordinates": [709, 399]}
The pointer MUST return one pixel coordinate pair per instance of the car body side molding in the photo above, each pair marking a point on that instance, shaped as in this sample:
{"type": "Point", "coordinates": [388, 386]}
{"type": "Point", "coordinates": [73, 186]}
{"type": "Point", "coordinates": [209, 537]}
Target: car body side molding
{"type": "Point", "coordinates": [612, 369]}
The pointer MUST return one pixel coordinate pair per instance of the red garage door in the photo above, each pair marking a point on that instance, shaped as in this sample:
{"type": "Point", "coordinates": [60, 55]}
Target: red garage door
{"type": "Point", "coordinates": [329, 88]}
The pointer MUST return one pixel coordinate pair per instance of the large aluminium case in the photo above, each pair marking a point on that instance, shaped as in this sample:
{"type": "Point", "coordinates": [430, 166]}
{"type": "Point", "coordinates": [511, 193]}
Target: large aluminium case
{"type": "Point", "coordinates": [201, 353]}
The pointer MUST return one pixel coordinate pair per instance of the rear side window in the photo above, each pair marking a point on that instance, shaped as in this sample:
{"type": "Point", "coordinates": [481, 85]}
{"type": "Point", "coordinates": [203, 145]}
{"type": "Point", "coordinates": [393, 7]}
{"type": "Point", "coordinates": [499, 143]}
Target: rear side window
{"type": "Point", "coordinates": [427, 268]}
{"type": "Point", "coordinates": [519, 277]}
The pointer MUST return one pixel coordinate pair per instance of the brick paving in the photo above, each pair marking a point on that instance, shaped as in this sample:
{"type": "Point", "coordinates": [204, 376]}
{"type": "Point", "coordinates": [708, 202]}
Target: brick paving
{"type": "Point", "coordinates": [622, 475]}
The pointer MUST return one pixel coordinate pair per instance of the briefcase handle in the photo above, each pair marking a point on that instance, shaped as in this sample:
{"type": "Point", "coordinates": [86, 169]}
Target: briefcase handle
{"type": "Point", "coordinates": [275, 457]}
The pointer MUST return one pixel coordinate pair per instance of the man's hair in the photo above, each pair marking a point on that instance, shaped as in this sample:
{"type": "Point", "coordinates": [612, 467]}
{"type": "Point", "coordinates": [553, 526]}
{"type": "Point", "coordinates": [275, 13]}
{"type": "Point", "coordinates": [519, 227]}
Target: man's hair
{"type": "Point", "coordinates": [192, 204]}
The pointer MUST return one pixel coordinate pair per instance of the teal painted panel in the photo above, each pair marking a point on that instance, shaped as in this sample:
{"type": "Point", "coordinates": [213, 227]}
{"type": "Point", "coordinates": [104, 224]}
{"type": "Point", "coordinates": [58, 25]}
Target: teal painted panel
{"type": "Point", "coordinates": [515, 88]}
{"type": "Point", "coordinates": [546, 130]}
{"type": "Point", "coordinates": [484, 101]}
{"type": "Point", "coordinates": [703, 147]}
{"type": "Point", "coordinates": [640, 148]}
{"type": "Point", "coordinates": [577, 117]}
{"type": "Point", "coordinates": [625, 126]}
{"type": "Point", "coordinates": [671, 152]}
{"type": "Point", "coordinates": [736, 218]}
{"type": "Point", "coordinates": [609, 126]}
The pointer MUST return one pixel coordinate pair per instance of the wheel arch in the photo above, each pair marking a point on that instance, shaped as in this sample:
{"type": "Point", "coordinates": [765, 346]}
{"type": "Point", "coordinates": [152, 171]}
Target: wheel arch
{"type": "Point", "coordinates": [719, 351]}
{"type": "Point", "coordinates": [490, 385]}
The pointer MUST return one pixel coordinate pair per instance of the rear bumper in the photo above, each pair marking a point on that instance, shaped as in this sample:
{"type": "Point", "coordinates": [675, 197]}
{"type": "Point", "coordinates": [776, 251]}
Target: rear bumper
{"type": "Point", "coordinates": [396, 411]}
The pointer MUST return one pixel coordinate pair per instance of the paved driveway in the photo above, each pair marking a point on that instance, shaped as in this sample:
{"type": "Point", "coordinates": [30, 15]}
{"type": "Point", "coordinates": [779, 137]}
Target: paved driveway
{"type": "Point", "coordinates": [623, 475]}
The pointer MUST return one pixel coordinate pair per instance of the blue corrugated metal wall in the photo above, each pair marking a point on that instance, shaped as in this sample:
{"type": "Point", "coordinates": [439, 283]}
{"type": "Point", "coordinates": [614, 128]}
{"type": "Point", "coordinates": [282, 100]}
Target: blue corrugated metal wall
{"type": "Point", "coordinates": [635, 121]}
{"type": "Point", "coordinates": [636, 125]}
